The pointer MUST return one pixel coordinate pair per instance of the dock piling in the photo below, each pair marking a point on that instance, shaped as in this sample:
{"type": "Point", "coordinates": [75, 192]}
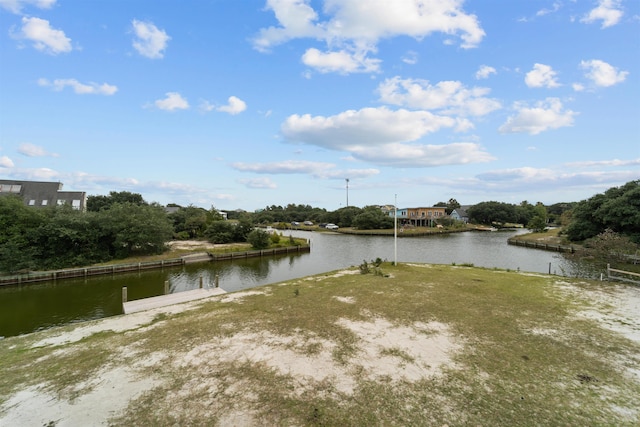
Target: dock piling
{"type": "Point", "coordinates": [124, 294]}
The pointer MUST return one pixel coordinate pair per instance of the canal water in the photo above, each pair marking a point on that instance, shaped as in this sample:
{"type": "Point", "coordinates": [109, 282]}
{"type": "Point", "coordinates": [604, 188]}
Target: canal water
{"type": "Point", "coordinates": [32, 307]}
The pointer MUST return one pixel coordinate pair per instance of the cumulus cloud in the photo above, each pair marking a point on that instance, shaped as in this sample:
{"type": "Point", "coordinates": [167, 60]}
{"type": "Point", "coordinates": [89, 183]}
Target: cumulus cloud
{"type": "Point", "coordinates": [5, 162]}
{"type": "Point", "coordinates": [16, 6]}
{"type": "Point", "coordinates": [354, 28]}
{"type": "Point", "coordinates": [484, 72]}
{"type": "Point", "coordinates": [262, 183]}
{"type": "Point", "coordinates": [541, 76]}
{"type": "Point", "coordinates": [340, 62]}
{"type": "Point", "coordinates": [234, 106]}
{"type": "Point", "coordinates": [150, 41]}
{"type": "Point", "coordinates": [544, 115]}
{"type": "Point", "coordinates": [368, 125]}
{"type": "Point", "coordinates": [383, 136]}
{"type": "Point", "coordinates": [32, 150]}
{"type": "Point", "coordinates": [172, 102]}
{"type": "Point", "coordinates": [449, 97]}
{"type": "Point", "coordinates": [602, 74]}
{"type": "Point", "coordinates": [43, 36]}
{"type": "Point", "coordinates": [608, 11]}
{"type": "Point", "coordinates": [90, 88]}
{"type": "Point", "coordinates": [316, 169]}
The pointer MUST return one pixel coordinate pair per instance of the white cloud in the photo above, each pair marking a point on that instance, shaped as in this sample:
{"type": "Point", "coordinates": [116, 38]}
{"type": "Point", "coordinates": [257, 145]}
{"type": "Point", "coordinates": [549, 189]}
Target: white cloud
{"type": "Point", "coordinates": [341, 62]}
{"type": "Point", "coordinates": [16, 6]}
{"type": "Point", "coordinates": [80, 88]}
{"type": "Point", "coordinates": [262, 183]}
{"type": "Point", "coordinates": [556, 6]}
{"type": "Point", "coordinates": [235, 106]}
{"type": "Point", "coordinates": [6, 162]}
{"type": "Point", "coordinates": [173, 101]}
{"type": "Point", "coordinates": [422, 155]}
{"type": "Point", "coordinates": [44, 38]}
{"type": "Point", "coordinates": [316, 169]}
{"type": "Point", "coordinates": [600, 163]}
{"type": "Point", "coordinates": [545, 115]}
{"type": "Point", "coordinates": [608, 11]}
{"type": "Point", "coordinates": [484, 72]}
{"type": "Point", "coordinates": [383, 136]}
{"type": "Point", "coordinates": [150, 41]}
{"type": "Point", "coordinates": [578, 87]}
{"type": "Point", "coordinates": [410, 58]}
{"type": "Point", "coordinates": [528, 178]}
{"type": "Point", "coordinates": [369, 126]}
{"type": "Point", "coordinates": [354, 28]}
{"type": "Point", "coordinates": [450, 97]}
{"type": "Point", "coordinates": [32, 150]}
{"type": "Point", "coordinates": [602, 74]}
{"type": "Point", "coordinates": [541, 76]}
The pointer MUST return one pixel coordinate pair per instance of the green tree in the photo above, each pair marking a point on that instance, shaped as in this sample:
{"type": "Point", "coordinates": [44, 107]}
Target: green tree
{"type": "Point", "coordinates": [190, 222]}
{"type": "Point", "coordinates": [221, 232]}
{"type": "Point", "coordinates": [136, 229]}
{"type": "Point", "coordinates": [492, 212]}
{"type": "Point", "coordinates": [617, 209]}
{"type": "Point", "coordinates": [99, 202]}
{"type": "Point", "coordinates": [372, 218]}
{"type": "Point", "coordinates": [259, 239]}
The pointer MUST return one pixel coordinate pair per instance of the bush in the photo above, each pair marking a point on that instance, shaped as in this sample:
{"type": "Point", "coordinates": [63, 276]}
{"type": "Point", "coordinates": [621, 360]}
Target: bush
{"type": "Point", "coordinates": [275, 238]}
{"type": "Point", "coordinates": [259, 239]}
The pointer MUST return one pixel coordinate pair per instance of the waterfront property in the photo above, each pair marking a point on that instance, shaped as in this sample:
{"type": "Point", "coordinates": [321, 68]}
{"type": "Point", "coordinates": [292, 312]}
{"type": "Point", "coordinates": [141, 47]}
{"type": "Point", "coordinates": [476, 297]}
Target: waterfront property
{"type": "Point", "coordinates": [41, 193]}
{"type": "Point", "coordinates": [420, 217]}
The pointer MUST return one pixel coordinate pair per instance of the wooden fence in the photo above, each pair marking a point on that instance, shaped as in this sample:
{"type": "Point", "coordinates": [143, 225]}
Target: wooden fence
{"type": "Point", "coordinates": [45, 276]}
{"type": "Point", "coordinates": [623, 276]}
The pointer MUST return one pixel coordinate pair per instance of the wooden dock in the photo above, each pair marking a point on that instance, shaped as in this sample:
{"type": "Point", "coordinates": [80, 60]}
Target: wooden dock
{"type": "Point", "coordinates": [169, 299]}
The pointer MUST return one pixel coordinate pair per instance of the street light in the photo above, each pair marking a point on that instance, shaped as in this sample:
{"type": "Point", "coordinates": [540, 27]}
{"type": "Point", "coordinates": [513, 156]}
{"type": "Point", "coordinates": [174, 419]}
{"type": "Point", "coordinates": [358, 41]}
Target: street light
{"type": "Point", "coordinates": [347, 179]}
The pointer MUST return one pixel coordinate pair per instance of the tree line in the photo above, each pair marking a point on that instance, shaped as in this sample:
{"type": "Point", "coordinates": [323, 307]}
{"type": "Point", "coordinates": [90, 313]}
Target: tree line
{"type": "Point", "coordinates": [123, 224]}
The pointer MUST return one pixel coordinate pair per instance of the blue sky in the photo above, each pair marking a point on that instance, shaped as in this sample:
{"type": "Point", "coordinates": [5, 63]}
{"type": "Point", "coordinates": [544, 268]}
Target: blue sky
{"type": "Point", "coordinates": [246, 104]}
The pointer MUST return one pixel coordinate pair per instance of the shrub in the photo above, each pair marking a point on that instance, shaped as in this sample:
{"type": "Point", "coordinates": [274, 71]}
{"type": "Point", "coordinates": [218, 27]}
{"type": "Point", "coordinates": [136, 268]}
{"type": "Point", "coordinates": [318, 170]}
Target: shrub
{"type": "Point", "coordinates": [275, 238]}
{"type": "Point", "coordinates": [259, 239]}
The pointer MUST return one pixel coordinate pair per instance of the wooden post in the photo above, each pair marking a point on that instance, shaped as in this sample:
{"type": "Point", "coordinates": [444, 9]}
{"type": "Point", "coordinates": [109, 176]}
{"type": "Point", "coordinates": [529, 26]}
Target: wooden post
{"type": "Point", "coordinates": [217, 280]}
{"type": "Point", "coordinates": [608, 272]}
{"type": "Point", "coordinates": [124, 294]}
{"type": "Point", "coordinates": [200, 282]}
{"type": "Point", "coordinates": [549, 268]}
{"type": "Point", "coordinates": [166, 287]}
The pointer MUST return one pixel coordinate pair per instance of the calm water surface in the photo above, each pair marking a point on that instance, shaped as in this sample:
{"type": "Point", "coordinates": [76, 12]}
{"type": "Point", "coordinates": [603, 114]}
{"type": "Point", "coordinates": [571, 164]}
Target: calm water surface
{"type": "Point", "coordinates": [28, 308]}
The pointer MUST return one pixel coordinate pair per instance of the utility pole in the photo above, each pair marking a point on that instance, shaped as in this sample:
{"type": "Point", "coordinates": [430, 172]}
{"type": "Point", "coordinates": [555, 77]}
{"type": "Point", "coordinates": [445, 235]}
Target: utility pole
{"type": "Point", "coordinates": [347, 179]}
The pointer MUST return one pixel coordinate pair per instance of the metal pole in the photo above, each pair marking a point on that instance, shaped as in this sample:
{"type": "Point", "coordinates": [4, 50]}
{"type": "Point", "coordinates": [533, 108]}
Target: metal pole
{"type": "Point", "coordinates": [347, 179]}
{"type": "Point", "coordinates": [395, 230]}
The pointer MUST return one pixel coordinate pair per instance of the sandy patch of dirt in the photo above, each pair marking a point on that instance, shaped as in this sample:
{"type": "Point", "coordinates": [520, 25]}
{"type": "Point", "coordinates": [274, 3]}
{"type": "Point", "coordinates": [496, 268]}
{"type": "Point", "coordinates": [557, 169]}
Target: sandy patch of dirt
{"type": "Point", "coordinates": [199, 244]}
{"type": "Point", "coordinates": [110, 393]}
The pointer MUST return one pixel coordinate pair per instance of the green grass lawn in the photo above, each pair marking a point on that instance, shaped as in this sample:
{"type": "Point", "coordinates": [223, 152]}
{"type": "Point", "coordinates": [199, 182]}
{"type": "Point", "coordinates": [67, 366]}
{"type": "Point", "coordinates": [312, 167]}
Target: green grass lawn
{"type": "Point", "coordinates": [417, 345]}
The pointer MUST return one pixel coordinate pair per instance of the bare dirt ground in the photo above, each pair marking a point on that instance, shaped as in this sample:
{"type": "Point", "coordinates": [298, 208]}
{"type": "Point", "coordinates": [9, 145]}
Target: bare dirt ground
{"type": "Point", "coordinates": [406, 353]}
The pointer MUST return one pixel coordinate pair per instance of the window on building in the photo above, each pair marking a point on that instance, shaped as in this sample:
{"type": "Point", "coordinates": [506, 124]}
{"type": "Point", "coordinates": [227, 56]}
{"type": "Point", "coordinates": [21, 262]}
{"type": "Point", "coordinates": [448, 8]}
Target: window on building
{"type": "Point", "coordinates": [61, 202]}
{"type": "Point", "coordinates": [32, 202]}
{"type": "Point", "coordinates": [76, 204]}
{"type": "Point", "coordinates": [45, 202]}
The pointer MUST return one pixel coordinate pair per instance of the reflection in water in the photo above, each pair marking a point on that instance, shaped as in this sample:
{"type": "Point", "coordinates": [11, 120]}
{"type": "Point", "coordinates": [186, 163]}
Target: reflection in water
{"type": "Point", "coordinates": [36, 306]}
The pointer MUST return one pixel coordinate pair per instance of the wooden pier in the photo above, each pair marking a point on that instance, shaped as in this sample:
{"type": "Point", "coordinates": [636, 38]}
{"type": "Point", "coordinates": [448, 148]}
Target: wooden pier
{"type": "Point", "coordinates": [169, 299]}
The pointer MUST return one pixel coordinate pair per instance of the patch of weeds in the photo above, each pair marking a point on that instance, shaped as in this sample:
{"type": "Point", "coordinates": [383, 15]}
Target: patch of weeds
{"type": "Point", "coordinates": [372, 267]}
{"type": "Point", "coordinates": [399, 353]}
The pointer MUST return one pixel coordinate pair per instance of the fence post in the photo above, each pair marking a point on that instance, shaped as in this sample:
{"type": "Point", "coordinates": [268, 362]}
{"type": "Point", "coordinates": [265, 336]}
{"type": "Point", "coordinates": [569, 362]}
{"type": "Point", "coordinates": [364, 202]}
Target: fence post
{"type": "Point", "coordinates": [217, 280]}
{"type": "Point", "coordinates": [124, 294]}
{"type": "Point", "coordinates": [166, 287]}
{"type": "Point", "coordinates": [608, 272]}
{"type": "Point", "coordinates": [200, 282]}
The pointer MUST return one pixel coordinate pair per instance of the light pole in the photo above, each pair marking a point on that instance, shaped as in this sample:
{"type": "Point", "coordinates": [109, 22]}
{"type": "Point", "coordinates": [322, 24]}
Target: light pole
{"type": "Point", "coordinates": [347, 180]}
{"type": "Point", "coordinates": [395, 230]}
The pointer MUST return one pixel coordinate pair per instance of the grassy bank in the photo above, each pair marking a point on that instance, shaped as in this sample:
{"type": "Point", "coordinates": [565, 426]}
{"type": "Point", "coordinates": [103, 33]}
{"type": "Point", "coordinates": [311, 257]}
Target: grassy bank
{"type": "Point", "coordinates": [416, 345]}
